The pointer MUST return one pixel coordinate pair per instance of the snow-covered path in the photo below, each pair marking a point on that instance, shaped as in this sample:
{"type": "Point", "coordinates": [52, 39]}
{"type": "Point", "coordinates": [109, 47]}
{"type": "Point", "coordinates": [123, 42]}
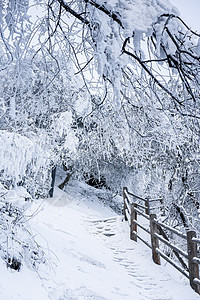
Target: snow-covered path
{"type": "Point", "coordinates": [145, 279]}
{"type": "Point", "coordinates": [91, 257]}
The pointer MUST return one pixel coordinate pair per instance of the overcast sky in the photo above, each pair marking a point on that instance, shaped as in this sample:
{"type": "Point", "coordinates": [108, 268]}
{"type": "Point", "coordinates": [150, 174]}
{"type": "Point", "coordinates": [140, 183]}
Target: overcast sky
{"type": "Point", "coordinates": [190, 12]}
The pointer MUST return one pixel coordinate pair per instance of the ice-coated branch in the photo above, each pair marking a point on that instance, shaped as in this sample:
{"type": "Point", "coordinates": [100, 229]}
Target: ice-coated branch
{"type": "Point", "coordinates": [73, 12]}
{"type": "Point", "coordinates": [166, 32]}
{"type": "Point", "coordinates": [114, 16]}
{"type": "Point", "coordinates": [142, 64]}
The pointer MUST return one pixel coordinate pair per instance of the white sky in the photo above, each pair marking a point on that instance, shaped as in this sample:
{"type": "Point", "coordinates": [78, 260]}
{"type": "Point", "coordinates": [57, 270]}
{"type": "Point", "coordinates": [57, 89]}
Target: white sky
{"type": "Point", "coordinates": [190, 12]}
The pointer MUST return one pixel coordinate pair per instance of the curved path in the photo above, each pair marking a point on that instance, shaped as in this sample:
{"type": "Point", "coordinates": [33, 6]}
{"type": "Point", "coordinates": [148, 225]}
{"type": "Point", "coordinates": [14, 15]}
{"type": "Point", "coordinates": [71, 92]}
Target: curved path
{"type": "Point", "coordinates": [110, 266]}
{"type": "Point", "coordinates": [89, 256]}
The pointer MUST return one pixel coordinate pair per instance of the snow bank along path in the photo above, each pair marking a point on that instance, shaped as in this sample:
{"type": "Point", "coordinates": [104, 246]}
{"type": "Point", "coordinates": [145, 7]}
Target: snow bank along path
{"type": "Point", "coordinates": [90, 257]}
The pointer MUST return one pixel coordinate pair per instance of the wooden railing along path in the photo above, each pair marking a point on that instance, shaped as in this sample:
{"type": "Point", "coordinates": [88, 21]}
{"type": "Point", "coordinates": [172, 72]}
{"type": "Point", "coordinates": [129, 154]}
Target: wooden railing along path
{"type": "Point", "coordinates": [189, 265]}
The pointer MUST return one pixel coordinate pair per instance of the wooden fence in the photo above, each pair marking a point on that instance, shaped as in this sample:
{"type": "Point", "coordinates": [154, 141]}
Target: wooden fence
{"type": "Point", "coordinates": [188, 259]}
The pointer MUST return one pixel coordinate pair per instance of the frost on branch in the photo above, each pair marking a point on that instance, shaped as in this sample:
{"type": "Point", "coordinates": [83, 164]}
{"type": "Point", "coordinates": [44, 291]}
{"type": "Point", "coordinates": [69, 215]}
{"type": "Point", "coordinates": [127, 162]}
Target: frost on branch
{"type": "Point", "coordinates": [140, 35]}
{"type": "Point", "coordinates": [113, 21]}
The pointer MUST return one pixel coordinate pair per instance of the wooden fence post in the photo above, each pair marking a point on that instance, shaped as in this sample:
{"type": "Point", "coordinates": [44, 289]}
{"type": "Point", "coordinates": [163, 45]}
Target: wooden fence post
{"type": "Point", "coordinates": [193, 267]}
{"type": "Point", "coordinates": [133, 226]}
{"type": "Point", "coordinates": [147, 210]}
{"type": "Point", "coordinates": [162, 207]}
{"type": "Point", "coordinates": [154, 240]}
{"type": "Point", "coordinates": [124, 197]}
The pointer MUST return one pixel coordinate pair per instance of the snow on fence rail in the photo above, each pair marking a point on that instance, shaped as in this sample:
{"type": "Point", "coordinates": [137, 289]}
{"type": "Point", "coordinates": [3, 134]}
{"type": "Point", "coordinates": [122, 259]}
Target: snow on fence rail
{"type": "Point", "coordinates": [190, 268]}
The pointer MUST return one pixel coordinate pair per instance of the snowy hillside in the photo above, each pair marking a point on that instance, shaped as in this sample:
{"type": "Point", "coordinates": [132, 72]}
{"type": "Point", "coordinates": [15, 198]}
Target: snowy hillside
{"type": "Point", "coordinates": [89, 256]}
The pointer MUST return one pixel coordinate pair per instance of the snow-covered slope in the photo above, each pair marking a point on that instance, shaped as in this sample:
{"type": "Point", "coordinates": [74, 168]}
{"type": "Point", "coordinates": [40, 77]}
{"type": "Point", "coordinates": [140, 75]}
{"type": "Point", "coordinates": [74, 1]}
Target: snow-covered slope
{"type": "Point", "coordinates": [90, 256]}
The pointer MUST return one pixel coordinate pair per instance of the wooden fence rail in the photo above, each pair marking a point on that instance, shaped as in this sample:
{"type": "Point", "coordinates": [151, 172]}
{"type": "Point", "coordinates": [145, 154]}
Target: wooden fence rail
{"type": "Point", "coordinates": [157, 232]}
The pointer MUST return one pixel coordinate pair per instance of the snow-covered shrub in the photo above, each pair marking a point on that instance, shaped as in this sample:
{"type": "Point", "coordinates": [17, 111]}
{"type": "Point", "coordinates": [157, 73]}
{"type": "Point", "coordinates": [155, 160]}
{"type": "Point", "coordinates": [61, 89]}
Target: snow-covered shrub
{"type": "Point", "coordinates": [23, 161]}
{"type": "Point", "coordinates": [17, 244]}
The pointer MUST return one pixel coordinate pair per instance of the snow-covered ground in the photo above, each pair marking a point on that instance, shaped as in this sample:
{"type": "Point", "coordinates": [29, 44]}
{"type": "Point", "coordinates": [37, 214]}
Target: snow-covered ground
{"type": "Point", "coordinates": [90, 256]}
